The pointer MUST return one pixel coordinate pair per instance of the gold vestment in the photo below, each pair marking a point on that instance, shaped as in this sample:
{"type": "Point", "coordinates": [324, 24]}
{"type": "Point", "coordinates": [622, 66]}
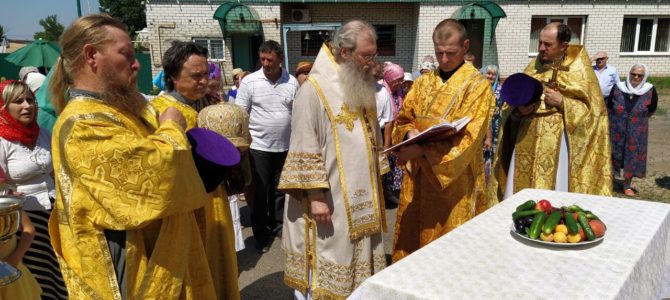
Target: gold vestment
{"type": "Point", "coordinates": [214, 219]}
{"type": "Point", "coordinates": [444, 188]}
{"type": "Point", "coordinates": [537, 139]}
{"type": "Point", "coordinates": [115, 171]}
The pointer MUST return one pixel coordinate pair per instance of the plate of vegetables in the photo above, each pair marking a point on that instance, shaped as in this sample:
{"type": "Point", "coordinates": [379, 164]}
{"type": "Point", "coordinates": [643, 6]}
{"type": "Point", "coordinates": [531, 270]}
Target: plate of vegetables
{"type": "Point", "coordinates": [565, 226]}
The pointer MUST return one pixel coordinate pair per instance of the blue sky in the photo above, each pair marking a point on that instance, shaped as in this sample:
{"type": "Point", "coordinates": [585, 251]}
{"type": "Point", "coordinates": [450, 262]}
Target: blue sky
{"type": "Point", "coordinates": [20, 18]}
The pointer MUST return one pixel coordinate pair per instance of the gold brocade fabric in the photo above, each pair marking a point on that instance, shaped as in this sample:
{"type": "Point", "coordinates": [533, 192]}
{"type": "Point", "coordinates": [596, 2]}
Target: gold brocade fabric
{"type": "Point", "coordinates": [162, 102]}
{"type": "Point", "coordinates": [585, 122]}
{"type": "Point", "coordinates": [114, 171]}
{"type": "Point", "coordinates": [214, 220]}
{"type": "Point", "coordinates": [444, 188]}
{"type": "Point", "coordinates": [334, 149]}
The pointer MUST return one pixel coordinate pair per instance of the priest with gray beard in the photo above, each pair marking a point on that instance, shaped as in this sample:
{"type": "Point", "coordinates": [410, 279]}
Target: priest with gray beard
{"type": "Point", "coordinates": [334, 215]}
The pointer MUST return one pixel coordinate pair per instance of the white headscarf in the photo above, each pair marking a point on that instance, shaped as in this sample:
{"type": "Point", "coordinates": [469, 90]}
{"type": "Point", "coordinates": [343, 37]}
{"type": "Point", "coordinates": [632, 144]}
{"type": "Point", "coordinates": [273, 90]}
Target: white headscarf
{"type": "Point", "coordinates": [641, 88]}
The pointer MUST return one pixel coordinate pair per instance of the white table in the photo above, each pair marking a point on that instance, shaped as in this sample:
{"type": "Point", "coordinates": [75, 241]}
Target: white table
{"type": "Point", "coordinates": [483, 260]}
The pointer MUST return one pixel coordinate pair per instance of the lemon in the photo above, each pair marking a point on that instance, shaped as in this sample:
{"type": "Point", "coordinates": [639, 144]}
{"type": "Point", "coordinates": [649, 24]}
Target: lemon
{"type": "Point", "coordinates": [574, 238]}
{"type": "Point", "coordinates": [559, 237]}
{"type": "Point", "coordinates": [561, 228]}
{"type": "Point", "coordinates": [547, 237]}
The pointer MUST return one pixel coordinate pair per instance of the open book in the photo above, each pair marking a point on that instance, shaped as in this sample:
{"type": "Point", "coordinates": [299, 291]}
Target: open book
{"type": "Point", "coordinates": [436, 130]}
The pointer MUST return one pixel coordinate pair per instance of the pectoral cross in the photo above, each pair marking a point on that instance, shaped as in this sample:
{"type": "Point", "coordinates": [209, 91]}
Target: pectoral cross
{"type": "Point", "coordinates": [554, 67]}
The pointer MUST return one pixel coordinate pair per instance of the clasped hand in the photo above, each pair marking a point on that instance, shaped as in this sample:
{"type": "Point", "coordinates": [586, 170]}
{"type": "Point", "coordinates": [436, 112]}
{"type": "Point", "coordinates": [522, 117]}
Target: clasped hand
{"type": "Point", "coordinates": [553, 98]}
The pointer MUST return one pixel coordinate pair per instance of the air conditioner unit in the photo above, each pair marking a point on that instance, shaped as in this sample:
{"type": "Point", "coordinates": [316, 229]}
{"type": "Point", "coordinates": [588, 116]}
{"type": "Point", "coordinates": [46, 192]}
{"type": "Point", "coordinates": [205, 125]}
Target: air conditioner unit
{"type": "Point", "coordinates": [300, 16]}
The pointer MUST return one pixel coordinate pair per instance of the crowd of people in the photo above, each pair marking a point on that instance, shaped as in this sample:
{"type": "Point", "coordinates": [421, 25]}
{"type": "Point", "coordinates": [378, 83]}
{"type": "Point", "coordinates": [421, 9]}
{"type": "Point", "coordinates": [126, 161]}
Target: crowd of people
{"type": "Point", "coordinates": [119, 204]}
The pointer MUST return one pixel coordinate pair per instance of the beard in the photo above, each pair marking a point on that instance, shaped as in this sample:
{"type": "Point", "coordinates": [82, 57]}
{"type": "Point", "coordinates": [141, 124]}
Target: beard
{"type": "Point", "coordinates": [358, 86]}
{"type": "Point", "coordinates": [122, 94]}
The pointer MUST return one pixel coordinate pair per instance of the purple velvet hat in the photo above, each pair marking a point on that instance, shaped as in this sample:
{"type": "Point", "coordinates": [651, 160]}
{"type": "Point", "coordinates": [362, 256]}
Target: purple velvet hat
{"type": "Point", "coordinates": [213, 154]}
{"type": "Point", "coordinates": [520, 89]}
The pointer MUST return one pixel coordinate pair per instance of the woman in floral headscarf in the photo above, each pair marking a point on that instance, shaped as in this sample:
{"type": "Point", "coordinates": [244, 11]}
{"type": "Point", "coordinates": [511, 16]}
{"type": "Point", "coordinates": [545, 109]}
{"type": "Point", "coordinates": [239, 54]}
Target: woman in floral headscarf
{"type": "Point", "coordinates": [394, 76]}
{"type": "Point", "coordinates": [630, 104]}
{"type": "Point", "coordinates": [25, 157]}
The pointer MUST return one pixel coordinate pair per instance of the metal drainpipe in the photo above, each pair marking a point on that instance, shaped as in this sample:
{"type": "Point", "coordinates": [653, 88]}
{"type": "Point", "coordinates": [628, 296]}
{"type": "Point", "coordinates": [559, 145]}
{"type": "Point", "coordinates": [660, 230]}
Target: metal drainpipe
{"type": "Point", "coordinates": [170, 25]}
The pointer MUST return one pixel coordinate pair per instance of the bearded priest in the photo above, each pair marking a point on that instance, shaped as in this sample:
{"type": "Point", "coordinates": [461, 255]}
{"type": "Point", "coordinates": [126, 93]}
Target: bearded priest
{"type": "Point", "coordinates": [334, 215]}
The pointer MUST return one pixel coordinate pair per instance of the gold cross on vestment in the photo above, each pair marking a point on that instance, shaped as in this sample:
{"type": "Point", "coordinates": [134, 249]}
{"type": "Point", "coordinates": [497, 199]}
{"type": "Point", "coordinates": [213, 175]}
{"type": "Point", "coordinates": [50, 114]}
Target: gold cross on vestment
{"type": "Point", "coordinates": [346, 117]}
{"type": "Point", "coordinates": [554, 67]}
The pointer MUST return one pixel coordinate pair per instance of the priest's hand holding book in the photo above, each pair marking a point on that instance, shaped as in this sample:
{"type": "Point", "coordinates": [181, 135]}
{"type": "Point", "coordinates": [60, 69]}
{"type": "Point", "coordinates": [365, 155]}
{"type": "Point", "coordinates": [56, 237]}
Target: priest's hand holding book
{"type": "Point", "coordinates": [411, 147]}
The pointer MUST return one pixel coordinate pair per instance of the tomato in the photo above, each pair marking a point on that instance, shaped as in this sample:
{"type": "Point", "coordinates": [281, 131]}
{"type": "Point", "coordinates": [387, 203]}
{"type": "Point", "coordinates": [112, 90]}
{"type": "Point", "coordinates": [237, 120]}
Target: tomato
{"type": "Point", "coordinates": [544, 205]}
{"type": "Point", "coordinates": [598, 227]}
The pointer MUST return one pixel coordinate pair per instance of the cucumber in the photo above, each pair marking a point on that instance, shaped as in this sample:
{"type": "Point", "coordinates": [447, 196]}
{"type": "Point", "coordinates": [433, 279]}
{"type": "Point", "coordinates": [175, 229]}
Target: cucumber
{"type": "Point", "coordinates": [525, 213]}
{"type": "Point", "coordinates": [530, 204]}
{"type": "Point", "coordinates": [575, 208]}
{"type": "Point", "coordinates": [551, 222]}
{"type": "Point", "coordinates": [590, 235]}
{"type": "Point", "coordinates": [571, 224]}
{"type": "Point", "coordinates": [591, 216]}
{"type": "Point", "coordinates": [536, 227]}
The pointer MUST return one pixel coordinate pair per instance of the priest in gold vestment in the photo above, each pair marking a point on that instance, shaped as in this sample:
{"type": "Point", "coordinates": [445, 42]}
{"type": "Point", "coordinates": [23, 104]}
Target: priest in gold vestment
{"type": "Point", "coordinates": [186, 82]}
{"type": "Point", "coordinates": [561, 142]}
{"type": "Point", "coordinates": [443, 182]}
{"type": "Point", "coordinates": [123, 225]}
{"type": "Point", "coordinates": [334, 215]}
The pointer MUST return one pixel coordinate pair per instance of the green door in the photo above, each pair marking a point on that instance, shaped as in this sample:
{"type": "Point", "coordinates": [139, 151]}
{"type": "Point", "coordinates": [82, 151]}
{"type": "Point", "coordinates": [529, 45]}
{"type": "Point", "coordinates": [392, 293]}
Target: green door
{"type": "Point", "coordinates": [245, 51]}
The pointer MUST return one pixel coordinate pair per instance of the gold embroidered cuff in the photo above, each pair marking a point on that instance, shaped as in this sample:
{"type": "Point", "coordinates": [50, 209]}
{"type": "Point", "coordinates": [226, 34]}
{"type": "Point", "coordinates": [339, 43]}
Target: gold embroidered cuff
{"type": "Point", "coordinates": [304, 171]}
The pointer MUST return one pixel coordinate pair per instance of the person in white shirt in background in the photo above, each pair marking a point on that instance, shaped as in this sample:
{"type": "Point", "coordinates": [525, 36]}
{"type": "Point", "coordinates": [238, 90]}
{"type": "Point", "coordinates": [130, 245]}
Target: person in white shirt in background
{"type": "Point", "coordinates": [267, 96]}
{"type": "Point", "coordinates": [607, 75]}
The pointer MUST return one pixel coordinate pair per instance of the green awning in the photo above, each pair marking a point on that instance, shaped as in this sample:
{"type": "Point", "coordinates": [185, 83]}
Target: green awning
{"type": "Point", "coordinates": [235, 18]}
{"type": "Point", "coordinates": [492, 8]}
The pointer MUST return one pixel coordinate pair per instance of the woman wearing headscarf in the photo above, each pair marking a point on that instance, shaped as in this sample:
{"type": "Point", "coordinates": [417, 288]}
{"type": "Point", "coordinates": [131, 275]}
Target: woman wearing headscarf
{"type": "Point", "coordinates": [630, 104]}
{"type": "Point", "coordinates": [394, 76]}
{"type": "Point", "coordinates": [25, 157]}
{"type": "Point", "coordinates": [491, 74]}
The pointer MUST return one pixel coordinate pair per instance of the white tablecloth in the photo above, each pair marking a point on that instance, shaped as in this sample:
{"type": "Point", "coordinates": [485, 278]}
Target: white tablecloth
{"type": "Point", "coordinates": [483, 260]}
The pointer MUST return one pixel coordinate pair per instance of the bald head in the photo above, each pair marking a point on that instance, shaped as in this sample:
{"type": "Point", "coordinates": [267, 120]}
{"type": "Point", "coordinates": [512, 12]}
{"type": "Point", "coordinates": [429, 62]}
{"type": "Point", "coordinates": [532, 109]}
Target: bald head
{"type": "Point", "coordinates": [561, 32]}
{"type": "Point", "coordinates": [554, 39]}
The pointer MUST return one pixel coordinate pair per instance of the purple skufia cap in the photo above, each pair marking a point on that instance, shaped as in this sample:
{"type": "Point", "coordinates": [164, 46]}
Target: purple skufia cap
{"type": "Point", "coordinates": [520, 89]}
{"type": "Point", "coordinates": [212, 154]}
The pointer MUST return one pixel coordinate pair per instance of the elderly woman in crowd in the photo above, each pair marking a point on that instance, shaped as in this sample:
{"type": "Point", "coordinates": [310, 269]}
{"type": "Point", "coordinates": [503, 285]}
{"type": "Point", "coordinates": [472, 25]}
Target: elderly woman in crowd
{"type": "Point", "coordinates": [630, 104]}
{"type": "Point", "coordinates": [394, 76]}
{"type": "Point", "coordinates": [491, 140]}
{"type": "Point", "coordinates": [25, 157]}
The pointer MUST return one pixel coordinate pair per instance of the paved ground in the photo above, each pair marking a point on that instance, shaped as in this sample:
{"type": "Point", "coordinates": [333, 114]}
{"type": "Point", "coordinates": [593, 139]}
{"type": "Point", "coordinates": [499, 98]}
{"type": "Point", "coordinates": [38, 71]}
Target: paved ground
{"type": "Point", "coordinates": [261, 275]}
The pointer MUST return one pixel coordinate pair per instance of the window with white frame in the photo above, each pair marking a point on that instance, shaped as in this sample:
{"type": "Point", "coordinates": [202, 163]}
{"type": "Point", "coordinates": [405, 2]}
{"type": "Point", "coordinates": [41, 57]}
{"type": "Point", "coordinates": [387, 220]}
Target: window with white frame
{"type": "Point", "coordinates": [214, 47]}
{"type": "Point", "coordinates": [645, 35]}
{"type": "Point", "coordinates": [575, 23]}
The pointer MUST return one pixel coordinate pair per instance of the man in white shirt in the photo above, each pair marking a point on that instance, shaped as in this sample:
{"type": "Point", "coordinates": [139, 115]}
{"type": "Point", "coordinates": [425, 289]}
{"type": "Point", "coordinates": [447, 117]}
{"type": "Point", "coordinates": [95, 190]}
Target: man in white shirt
{"type": "Point", "coordinates": [267, 95]}
{"type": "Point", "coordinates": [607, 75]}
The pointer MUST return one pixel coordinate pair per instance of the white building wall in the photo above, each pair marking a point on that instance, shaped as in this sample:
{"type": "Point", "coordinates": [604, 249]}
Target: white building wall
{"type": "Point", "coordinates": [415, 24]}
{"type": "Point", "coordinates": [604, 22]}
{"type": "Point", "coordinates": [401, 15]}
{"type": "Point", "coordinates": [189, 21]}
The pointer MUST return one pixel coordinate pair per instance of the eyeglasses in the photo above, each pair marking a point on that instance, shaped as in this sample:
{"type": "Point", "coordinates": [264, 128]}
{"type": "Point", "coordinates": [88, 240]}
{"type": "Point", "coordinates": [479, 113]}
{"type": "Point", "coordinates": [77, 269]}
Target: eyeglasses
{"type": "Point", "coordinates": [601, 59]}
{"type": "Point", "coordinates": [369, 58]}
{"type": "Point", "coordinates": [636, 75]}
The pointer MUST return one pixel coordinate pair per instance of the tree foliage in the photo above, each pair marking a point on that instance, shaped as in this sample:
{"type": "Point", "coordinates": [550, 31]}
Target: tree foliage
{"type": "Point", "coordinates": [130, 12]}
{"type": "Point", "coordinates": [2, 31]}
{"type": "Point", "coordinates": [52, 29]}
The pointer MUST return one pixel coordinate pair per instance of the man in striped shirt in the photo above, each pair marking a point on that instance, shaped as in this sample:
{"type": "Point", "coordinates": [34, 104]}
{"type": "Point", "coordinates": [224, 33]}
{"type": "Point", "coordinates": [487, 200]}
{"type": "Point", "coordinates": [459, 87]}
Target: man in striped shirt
{"type": "Point", "coordinates": [267, 95]}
